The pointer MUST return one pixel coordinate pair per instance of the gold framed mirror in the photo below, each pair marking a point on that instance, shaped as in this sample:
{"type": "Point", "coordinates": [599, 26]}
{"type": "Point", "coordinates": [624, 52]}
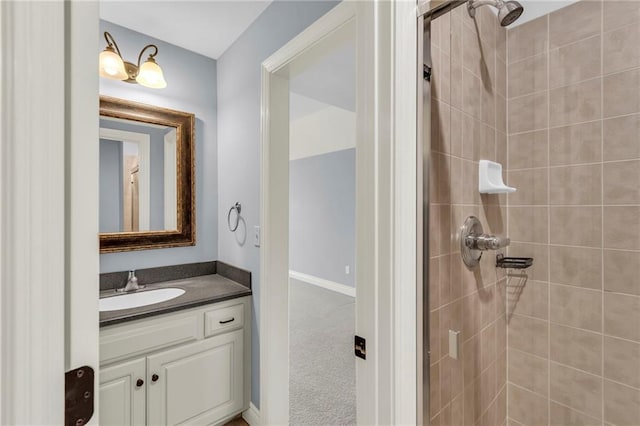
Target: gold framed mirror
{"type": "Point", "coordinates": [147, 177]}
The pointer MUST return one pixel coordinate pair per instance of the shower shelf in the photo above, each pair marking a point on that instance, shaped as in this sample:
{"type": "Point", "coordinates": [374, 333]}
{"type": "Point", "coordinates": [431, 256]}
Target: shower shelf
{"type": "Point", "coordinates": [513, 262]}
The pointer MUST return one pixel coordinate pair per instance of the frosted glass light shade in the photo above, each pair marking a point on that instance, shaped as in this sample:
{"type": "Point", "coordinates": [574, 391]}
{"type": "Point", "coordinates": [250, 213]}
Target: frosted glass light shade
{"type": "Point", "coordinates": [111, 65]}
{"type": "Point", "coordinates": [150, 75]}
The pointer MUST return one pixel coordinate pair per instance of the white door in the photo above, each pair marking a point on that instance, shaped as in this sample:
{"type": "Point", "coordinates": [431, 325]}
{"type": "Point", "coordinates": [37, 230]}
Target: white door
{"type": "Point", "coordinates": [48, 220]}
{"type": "Point", "coordinates": [123, 396]}
{"type": "Point", "coordinates": [200, 383]}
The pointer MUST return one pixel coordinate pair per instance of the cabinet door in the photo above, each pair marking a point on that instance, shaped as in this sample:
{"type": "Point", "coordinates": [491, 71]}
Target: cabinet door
{"type": "Point", "coordinates": [199, 383]}
{"type": "Point", "coordinates": [122, 401]}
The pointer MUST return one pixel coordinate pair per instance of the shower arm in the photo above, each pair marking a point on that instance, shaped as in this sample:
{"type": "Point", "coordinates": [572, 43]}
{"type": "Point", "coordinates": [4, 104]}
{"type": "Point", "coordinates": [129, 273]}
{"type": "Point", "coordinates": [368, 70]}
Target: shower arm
{"type": "Point", "coordinates": [472, 5]}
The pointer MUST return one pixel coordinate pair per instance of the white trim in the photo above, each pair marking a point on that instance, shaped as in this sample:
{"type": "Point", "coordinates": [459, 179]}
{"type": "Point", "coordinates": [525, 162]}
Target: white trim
{"type": "Point", "coordinates": [406, 264]}
{"type": "Point", "coordinates": [82, 258]}
{"type": "Point", "coordinates": [144, 175]}
{"type": "Point", "coordinates": [252, 415]}
{"type": "Point", "coordinates": [170, 180]}
{"type": "Point", "coordinates": [32, 230]}
{"type": "Point", "coordinates": [326, 284]}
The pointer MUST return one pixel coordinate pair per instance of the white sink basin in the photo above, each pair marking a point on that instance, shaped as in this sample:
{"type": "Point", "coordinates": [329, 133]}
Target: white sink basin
{"type": "Point", "coordinates": [142, 298]}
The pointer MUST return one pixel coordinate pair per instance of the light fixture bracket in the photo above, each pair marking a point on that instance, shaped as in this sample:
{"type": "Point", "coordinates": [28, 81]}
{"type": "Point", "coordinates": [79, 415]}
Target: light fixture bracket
{"type": "Point", "coordinates": [132, 72]}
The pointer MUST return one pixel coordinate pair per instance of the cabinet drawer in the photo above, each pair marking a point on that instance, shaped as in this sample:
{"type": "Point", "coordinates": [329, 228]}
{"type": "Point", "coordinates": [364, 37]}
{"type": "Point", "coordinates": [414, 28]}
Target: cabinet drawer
{"type": "Point", "coordinates": [136, 338]}
{"type": "Point", "coordinates": [222, 319]}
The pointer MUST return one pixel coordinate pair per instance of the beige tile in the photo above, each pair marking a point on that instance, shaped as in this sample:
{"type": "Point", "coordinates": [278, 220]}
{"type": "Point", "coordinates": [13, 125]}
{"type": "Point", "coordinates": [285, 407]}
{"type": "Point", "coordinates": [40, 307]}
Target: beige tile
{"type": "Point", "coordinates": [434, 335]}
{"type": "Point", "coordinates": [580, 143]}
{"type": "Point", "coordinates": [622, 138]}
{"type": "Point", "coordinates": [576, 348]}
{"type": "Point", "coordinates": [622, 316]}
{"type": "Point", "coordinates": [501, 77]}
{"type": "Point", "coordinates": [501, 371]}
{"type": "Point", "coordinates": [529, 371]}
{"type": "Point", "coordinates": [487, 346]}
{"type": "Point", "coordinates": [531, 185]}
{"type": "Point", "coordinates": [434, 389]}
{"type": "Point", "coordinates": [561, 415]}
{"type": "Point", "coordinates": [470, 194]}
{"type": "Point", "coordinates": [528, 150]}
{"type": "Point", "coordinates": [456, 181]}
{"type": "Point", "coordinates": [527, 76]}
{"type": "Point", "coordinates": [622, 361]}
{"type": "Point", "coordinates": [434, 280]}
{"type": "Point", "coordinates": [619, 274]}
{"type": "Point", "coordinates": [622, 182]}
{"type": "Point", "coordinates": [621, 404]}
{"type": "Point", "coordinates": [501, 150]}
{"type": "Point", "coordinates": [456, 88]}
{"type": "Point", "coordinates": [621, 93]}
{"type": "Point", "coordinates": [576, 389]}
{"type": "Point", "coordinates": [471, 359]}
{"type": "Point", "coordinates": [501, 114]}
{"type": "Point", "coordinates": [440, 127]}
{"type": "Point", "coordinates": [575, 185]}
{"type": "Point", "coordinates": [456, 132]}
{"type": "Point", "coordinates": [618, 13]}
{"type": "Point", "coordinates": [471, 316]}
{"type": "Point", "coordinates": [576, 307]}
{"type": "Point", "coordinates": [526, 407]}
{"type": "Point", "coordinates": [622, 49]}
{"type": "Point", "coordinates": [471, 137]}
{"type": "Point", "coordinates": [575, 62]}
{"type": "Point", "coordinates": [574, 22]}
{"type": "Point", "coordinates": [527, 113]}
{"type": "Point", "coordinates": [528, 39]}
{"type": "Point", "coordinates": [576, 103]}
{"type": "Point", "coordinates": [471, 94]}
{"type": "Point", "coordinates": [528, 335]}
{"type": "Point", "coordinates": [472, 58]}
{"type": "Point", "coordinates": [501, 44]}
{"type": "Point", "coordinates": [539, 271]}
{"type": "Point", "coordinates": [581, 267]}
{"type": "Point", "coordinates": [580, 226]}
{"type": "Point", "coordinates": [622, 227]}
{"type": "Point", "coordinates": [528, 224]}
{"type": "Point", "coordinates": [488, 105]}
{"type": "Point", "coordinates": [527, 297]}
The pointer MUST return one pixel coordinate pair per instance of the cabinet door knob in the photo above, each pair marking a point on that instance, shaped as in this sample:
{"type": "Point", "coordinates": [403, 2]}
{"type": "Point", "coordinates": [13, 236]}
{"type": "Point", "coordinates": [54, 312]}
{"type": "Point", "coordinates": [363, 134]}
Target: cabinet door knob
{"type": "Point", "coordinates": [154, 378]}
{"type": "Point", "coordinates": [139, 383]}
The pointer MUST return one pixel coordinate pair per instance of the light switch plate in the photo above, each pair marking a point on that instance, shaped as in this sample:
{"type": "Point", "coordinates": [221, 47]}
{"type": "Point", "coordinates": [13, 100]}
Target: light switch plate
{"type": "Point", "coordinates": [256, 236]}
{"type": "Point", "coordinates": [454, 344]}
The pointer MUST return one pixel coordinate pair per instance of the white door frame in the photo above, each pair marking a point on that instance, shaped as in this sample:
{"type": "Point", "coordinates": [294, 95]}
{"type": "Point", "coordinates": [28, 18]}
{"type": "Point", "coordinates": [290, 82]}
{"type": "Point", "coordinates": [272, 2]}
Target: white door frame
{"type": "Point", "coordinates": [386, 239]}
{"type": "Point", "coordinates": [48, 184]}
{"type": "Point", "coordinates": [143, 141]}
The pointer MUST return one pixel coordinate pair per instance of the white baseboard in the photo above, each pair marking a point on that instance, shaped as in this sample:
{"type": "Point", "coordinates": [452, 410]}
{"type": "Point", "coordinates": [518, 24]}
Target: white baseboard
{"type": "Point", "coordinates": [320, 282]}
{"type": "Point", "coordinates": [252, 415]}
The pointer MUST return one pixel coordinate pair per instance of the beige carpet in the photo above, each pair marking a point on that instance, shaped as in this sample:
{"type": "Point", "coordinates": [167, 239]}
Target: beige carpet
{"type": "Point", "coordinates": [321, 361]}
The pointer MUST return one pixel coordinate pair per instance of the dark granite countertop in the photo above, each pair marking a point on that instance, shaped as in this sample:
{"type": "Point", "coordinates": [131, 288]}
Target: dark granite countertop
{"type": "Point", "coordinates": [199, 290]}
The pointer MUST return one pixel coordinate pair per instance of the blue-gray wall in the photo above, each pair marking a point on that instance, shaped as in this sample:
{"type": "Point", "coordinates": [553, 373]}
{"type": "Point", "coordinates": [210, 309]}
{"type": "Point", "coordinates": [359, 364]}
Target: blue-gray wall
{"type": "Point", "coordinates": [239, 80]}
{"type": "Point", "coordinates": [156, 174]}
{"type": "Point", "coordinates": [191, 87]}
{"type": "Point", "coordinates": [322, 216]}
{"type": "Point", "coordinates": [111, 214]}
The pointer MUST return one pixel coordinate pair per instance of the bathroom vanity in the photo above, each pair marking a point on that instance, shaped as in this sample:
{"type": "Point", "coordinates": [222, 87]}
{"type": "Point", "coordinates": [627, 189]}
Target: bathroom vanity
{"type": "Point", "coordinates": [186, 360]}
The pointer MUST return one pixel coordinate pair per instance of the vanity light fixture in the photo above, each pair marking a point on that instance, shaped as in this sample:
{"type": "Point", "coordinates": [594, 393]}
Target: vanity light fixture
{"type": "Point", "coordinates": [149, 74]}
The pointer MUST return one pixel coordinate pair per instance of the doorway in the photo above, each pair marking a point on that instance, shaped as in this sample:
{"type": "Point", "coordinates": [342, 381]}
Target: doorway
{"type": "Point", "coordinates": [322, 223]}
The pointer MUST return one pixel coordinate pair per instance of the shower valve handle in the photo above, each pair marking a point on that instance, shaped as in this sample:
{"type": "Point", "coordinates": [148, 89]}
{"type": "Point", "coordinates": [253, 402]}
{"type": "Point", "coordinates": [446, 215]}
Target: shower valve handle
{"type": "Point", "coordinates": [486, 242]}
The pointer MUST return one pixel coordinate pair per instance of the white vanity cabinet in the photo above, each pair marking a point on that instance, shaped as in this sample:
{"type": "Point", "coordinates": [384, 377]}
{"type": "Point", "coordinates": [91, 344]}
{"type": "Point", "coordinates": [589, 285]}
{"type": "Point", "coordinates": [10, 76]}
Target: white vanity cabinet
{"type": "Point", "coordinates": [190, 367]}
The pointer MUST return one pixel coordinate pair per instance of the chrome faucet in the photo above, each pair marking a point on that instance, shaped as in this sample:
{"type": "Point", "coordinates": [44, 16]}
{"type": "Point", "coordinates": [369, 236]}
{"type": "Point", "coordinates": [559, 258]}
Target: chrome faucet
{"type": "Point", "coordinates": [132, 283]}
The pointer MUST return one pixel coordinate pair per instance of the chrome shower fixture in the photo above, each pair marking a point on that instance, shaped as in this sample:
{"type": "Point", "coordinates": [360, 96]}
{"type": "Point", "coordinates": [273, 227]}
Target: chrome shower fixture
{"type": "Point", "coordinates": [508, 11]}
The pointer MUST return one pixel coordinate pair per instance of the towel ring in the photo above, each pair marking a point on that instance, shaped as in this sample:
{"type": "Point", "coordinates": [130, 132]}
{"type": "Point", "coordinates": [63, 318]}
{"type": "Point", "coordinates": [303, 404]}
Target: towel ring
{"type": "Point", "coordinates": [237, 207]}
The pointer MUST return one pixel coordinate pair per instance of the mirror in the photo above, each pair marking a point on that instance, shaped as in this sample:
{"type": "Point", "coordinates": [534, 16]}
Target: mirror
{"type": "Point", "coordinates": [147, 192]}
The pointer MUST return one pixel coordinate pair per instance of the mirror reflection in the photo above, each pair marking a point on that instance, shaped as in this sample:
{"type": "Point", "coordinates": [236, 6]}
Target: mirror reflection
{"type": "Point", "coordinates": [137, 176]}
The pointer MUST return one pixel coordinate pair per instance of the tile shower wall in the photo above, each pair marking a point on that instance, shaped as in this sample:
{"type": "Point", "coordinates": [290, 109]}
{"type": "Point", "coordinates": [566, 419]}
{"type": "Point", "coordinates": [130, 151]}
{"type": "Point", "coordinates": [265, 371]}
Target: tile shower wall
{"type": "Point", "coordinates": [574, 154]}
{"type": "Point", "coordinates": [468, 124]}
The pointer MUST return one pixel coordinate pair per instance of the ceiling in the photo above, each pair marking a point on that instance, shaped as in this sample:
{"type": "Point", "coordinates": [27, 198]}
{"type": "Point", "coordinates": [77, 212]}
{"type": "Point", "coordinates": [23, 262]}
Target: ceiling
{"type": "Point", "coordinates": [205, 27]}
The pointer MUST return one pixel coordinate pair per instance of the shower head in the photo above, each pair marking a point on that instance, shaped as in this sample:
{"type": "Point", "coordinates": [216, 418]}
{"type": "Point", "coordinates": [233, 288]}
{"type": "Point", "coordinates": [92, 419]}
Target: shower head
{"type": "Point", "coordinates": [508, 11]}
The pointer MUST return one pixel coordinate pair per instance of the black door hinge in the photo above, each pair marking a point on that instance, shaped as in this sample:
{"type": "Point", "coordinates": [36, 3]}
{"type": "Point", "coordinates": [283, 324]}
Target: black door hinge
{"type": "Point", "coordinates": [78, 396]}
{"type": "Point", "coordinates": [426, 72]}
{"type": "Point", "coordinates": [360, 347]}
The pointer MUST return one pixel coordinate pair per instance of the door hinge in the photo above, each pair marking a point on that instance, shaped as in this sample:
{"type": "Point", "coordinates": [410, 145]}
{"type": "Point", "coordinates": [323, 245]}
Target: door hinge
{"type": "Point", "coordinates": [426, 72]}
{"type": "Point", "coordinates": [78, 396]}
{"type": "Point", "coordinates": [360, 347]}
